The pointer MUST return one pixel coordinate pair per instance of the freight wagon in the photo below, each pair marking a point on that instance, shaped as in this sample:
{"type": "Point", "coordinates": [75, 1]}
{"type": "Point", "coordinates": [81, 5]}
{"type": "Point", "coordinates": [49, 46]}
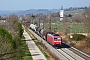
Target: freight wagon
{"type": "Point", "coordinates": [49, 36]}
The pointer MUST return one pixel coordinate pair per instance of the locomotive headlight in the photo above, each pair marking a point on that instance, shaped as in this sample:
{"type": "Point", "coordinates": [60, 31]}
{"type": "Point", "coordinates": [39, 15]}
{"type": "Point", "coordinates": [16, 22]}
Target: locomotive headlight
{"type": "Point", "coordinates": [58, 38]}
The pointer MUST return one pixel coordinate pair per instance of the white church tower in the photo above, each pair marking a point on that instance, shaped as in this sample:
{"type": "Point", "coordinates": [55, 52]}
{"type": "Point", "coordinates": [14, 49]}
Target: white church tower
{"type": "Point", "coordinates": [61, 13]}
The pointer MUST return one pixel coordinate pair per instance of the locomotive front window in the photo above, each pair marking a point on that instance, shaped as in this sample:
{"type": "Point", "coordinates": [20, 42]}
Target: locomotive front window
{"type": "Point", "coordinates": [57, 38]}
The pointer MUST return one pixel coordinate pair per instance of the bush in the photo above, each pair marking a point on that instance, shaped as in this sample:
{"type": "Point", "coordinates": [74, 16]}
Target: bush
{"type": "Point", "coordinates": [5, 36]}
{"type": "Point", "coordinates": [78, 37]}
{"type": "Point", "coordinates": [20, 29]}
{"type": "Point", "coordinates": [88, 41]}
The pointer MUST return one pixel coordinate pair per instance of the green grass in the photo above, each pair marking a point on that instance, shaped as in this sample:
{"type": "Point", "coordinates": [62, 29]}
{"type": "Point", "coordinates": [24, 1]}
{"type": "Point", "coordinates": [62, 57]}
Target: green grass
{"type": "Point", "coordinates": [27, 53]}
{"type": "Point", "coordinates": [25, 48]}
{"type": "Point", "coordinates": [74, 12]}
{"type": "Point", "coordinates": [79, 28]}
{"type": "Point", "coordinates": [76, 28]}
{"type": "Point", "coordinates": [27, 58]}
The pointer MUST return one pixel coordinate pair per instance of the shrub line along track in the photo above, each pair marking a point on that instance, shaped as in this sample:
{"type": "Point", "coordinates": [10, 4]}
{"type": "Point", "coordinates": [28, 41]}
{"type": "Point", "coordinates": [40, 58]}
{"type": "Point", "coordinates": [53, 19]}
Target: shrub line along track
{"type": "Point", "coordinates": [63, 53]}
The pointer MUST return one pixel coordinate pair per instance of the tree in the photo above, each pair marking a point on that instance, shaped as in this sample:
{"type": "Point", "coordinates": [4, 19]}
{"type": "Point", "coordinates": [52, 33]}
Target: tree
{"type": "Point", "coordinates": [77, 18]}
{"type": "Point", "coordinates": [10, 40]}
{"type": "Point", "coordinates": [5, 44]}
{"type": "Point", "coordinates": [19, 26]}
{"type": "Point", "coordinates": [87, 19]}
{"type": "Point", "coordinates": [10, 24]}
{"type": "Point", "coordinates": [0, 17]}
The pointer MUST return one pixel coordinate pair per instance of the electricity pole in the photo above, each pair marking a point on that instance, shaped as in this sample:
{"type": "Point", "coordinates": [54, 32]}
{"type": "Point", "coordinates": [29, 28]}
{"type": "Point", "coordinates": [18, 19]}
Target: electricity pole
{"type": "Point", "coordinates": [70, 16]}
{"type": "Point", "coordinates": [50, 25]}
{"type": "Point", "coordinates": [39, 22]}
{"type": "Point", "coordinates": [43, 24]}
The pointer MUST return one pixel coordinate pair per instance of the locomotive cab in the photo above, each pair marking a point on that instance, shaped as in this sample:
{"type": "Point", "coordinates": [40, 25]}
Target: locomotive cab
{"type": "Point", "coordinates": [57, 39]}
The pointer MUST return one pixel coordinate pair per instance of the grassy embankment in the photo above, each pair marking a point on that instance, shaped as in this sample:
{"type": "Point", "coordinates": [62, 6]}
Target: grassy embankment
{"type": "Point", "coordinates": [39, 44]}
{"type": "Point", "coordinates": [27, 53]}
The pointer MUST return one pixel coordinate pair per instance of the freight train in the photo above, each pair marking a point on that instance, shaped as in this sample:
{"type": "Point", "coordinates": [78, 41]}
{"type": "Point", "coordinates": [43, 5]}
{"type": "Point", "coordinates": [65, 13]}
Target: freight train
{"type": "Point", "coordinates": [51, 37]}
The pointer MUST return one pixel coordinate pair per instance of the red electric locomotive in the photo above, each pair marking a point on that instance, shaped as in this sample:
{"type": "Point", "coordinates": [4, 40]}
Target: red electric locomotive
{"type": "Point", "coordinates": [54, 39]}
{"type": "Point", "coordinates": [48, 35]}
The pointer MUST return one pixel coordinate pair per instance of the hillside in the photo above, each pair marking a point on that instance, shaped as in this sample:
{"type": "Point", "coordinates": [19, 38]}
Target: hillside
{"type": "Point", "coordinates": [30, 11]}
{"type": "Point", "coordinates": [39, 11]}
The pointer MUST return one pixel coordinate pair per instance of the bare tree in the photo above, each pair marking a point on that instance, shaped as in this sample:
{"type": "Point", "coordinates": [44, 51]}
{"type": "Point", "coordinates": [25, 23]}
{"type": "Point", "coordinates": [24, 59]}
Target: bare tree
{"type": "Point", "coordinates": [87, 19]}
{"type": "Point", "coordinates": [11, 20]}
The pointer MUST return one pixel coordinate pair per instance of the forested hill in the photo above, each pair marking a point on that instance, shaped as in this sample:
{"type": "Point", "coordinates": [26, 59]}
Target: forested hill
{"type": "Point", "coordinates": [30, 11]}
{"type": "Point", "coordinates": [41, 11]}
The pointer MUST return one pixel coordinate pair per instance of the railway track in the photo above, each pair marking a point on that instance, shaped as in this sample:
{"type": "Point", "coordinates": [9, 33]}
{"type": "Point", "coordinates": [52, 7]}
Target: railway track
{"type": "Point", "coordinates": [69, 54]}
{"type": "Point", "coordinates": [65, 52]}
{"type": "Point", "coordinates": [83, 55]}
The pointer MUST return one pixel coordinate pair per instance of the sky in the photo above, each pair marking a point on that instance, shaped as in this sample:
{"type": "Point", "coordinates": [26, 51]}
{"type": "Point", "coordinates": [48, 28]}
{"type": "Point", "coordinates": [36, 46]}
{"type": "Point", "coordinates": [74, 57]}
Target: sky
{"type": "Point", "coordinates": [41, 4]}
